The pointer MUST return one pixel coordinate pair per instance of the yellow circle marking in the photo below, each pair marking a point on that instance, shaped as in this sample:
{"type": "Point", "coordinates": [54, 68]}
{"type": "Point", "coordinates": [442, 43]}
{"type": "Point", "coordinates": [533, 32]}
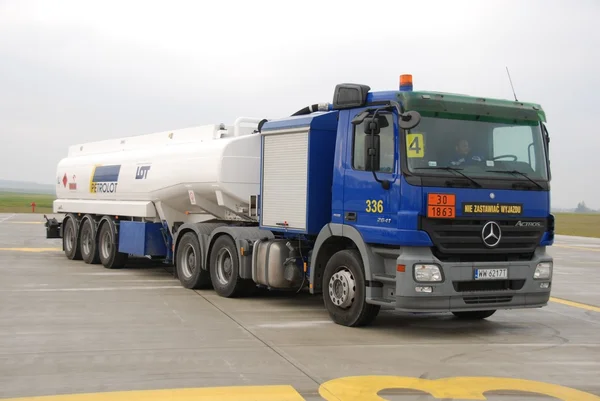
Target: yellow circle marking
{"type": "Point", "coordinates": [365, 388]}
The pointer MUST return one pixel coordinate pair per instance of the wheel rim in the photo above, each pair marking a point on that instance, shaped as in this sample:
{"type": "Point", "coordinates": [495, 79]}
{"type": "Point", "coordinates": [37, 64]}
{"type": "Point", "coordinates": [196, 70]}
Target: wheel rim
{"type": "Point", "coordinates": [224, 269]}
{"type": "Point", "coordinates": [188, 261]}
{"type": "Point", "coordinates": [342, 288]}
{"type": "Point", "coordinates": [106, 247]}
{"type": "Point", "coordinates": [86, 241]}
{"type": "Point", "coordinates": [69, 236]}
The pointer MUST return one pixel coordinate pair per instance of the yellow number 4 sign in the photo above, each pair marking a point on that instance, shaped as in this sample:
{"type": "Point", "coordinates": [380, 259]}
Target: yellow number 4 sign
{"type": "Point", "coordinates": [415, 146]}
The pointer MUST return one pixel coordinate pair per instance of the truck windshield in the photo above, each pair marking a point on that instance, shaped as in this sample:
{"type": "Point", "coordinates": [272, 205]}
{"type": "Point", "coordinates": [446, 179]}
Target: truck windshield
{"type": "Point", "coordinates": [478, 149]}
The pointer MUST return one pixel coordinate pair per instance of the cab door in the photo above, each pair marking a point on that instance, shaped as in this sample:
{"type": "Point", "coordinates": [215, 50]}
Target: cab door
{"type": "Point", "coordinates": [368, 206]}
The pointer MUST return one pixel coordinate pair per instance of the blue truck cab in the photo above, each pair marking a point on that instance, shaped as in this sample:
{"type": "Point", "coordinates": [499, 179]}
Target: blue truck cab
{"type": "Point", "coordinates": [415, 201]}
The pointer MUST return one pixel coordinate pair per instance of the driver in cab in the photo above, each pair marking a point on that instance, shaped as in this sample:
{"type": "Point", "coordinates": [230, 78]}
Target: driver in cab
{"type": "Point", "coordinates": [463, 155]}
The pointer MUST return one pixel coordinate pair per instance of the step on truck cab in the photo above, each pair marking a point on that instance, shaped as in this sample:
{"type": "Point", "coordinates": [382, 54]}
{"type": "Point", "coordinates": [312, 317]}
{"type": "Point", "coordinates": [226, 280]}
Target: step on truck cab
{"type": "Point", "coordinates": [407, 200]}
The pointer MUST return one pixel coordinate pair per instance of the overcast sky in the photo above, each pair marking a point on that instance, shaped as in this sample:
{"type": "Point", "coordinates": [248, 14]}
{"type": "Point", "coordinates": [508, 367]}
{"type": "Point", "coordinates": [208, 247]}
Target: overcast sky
{"type": "Point", "coordinates": [77, 71]}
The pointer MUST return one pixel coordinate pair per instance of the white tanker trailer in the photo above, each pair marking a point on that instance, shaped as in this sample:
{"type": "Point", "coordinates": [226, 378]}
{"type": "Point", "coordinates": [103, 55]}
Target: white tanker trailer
{"type": "Point", "coordinates": [330, 198]}
{"type": "Point", "coordinates": [216, 166]}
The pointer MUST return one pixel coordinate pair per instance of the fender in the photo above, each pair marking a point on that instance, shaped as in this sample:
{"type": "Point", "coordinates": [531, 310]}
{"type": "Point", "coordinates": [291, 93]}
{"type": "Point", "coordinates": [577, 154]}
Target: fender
{"type": "Point", "coordinates": [372, 262]}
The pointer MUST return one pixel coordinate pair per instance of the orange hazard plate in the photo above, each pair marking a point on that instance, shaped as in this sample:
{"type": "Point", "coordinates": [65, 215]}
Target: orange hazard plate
{"type": "Point", "coordinates": [441, 206]}
{"type": "Point", "coordinates": [441, 212]}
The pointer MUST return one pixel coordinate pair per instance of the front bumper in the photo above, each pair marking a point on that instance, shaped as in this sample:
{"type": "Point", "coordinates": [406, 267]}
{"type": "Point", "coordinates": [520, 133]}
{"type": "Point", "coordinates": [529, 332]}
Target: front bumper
{"type": "Point", "coordinates": [460, 292]}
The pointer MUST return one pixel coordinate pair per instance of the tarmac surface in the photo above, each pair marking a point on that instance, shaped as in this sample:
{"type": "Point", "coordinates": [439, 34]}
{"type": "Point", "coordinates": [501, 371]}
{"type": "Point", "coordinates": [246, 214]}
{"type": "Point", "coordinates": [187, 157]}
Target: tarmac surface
{"type": "Point", "coordinates": [71, 328]}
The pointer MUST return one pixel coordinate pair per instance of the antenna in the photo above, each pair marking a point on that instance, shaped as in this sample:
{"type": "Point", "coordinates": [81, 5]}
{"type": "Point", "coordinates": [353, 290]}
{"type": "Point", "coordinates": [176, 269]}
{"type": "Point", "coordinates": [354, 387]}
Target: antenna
{"type": "Point", "coordinates": [511, 85]}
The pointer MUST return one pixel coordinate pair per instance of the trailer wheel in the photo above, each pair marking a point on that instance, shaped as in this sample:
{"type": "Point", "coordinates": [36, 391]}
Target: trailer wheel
{"type": "Point", "coordinates": [189, 263]}
{"type": "Point", "coordinates": [108, 251]}
{"type": "Point", "coordinates": [70, 241]}
{"type": "Point", "coordinates": [88, 243]}
{"type": "Point", "coordinates": [474, 315]}
{"type": "Point", "coordinates": [225, 269]}
{"type": "Point", "coordinates": [344, 290]}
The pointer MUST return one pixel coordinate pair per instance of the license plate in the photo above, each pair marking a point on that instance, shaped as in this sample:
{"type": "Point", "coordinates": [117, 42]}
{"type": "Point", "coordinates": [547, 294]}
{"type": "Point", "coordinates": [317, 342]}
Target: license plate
{"type": "Point", "coordinates": [491, 274]}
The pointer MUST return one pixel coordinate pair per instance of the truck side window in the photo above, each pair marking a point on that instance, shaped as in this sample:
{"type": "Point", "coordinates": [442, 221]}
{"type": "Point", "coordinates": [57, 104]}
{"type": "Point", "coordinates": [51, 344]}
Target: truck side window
{"type": "Point", "coordinates": [517, 141]}
{"type": "Point", "coordinates": [386, 147]}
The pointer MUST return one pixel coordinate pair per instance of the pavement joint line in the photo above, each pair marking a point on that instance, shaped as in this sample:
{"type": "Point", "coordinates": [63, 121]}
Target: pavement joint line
{"type": "Point", "coordinates": [581, 248]}
{"type": "Point", "coordinates": [10, 216]}
{"type": "Point", "coordinates": [266, 344]}
{"type": "Point", "coordinates": [575, 304]}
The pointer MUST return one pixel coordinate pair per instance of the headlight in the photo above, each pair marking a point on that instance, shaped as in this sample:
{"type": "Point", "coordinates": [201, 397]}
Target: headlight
{"type": "Point", "coordinates": [543, 270]}
{"type": "Point", "coordinates": [427, 273]}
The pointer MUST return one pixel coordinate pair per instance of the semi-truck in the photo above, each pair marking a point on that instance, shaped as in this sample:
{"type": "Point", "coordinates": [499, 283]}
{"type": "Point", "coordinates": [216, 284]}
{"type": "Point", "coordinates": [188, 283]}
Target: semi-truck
{"type": "Point", "coordinates": [407, 200]}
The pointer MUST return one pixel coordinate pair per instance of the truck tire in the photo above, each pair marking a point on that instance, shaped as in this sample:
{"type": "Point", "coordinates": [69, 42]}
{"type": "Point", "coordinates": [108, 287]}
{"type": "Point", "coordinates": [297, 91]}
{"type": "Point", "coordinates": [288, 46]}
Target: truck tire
{"type": "Point", "coordinates": [110, 257]}
{"type": "Point", "coordinates": [344, 290]}
{"type": "Point", "coordinates": [189, 263]}
{"type": "Point", "coordinates": [224, 268]}
{"type": "Point", "coordinates": [70, 239]}
{"type": "Point", "coordinates": [88, 243]}
{"type": "Point", "coordinates": [474, 315]}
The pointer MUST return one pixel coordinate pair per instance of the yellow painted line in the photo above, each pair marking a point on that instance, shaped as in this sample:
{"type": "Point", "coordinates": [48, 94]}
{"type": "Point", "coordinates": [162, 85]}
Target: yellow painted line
{"type": "Point", "coordinates": [242, 393]}
{"type": "Point", "coordinates": [24, 222]}
{"type": "Point", "coordinates": [575, 304]}
{"type": "Point", "coordinates": [30, 249]}
{"type": "Point", "coordinates": [581, 248]}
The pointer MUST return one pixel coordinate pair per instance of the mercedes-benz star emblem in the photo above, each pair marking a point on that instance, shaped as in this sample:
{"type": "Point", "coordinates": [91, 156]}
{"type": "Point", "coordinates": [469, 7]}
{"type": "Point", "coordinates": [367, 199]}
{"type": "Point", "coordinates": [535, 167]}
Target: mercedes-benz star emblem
{"type": "Point", "coordinates": [491, 234]}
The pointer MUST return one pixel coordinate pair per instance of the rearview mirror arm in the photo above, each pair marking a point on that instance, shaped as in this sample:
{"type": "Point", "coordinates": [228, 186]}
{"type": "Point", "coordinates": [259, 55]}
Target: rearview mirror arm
{"type": "Point", "coordinates": [385, 184]}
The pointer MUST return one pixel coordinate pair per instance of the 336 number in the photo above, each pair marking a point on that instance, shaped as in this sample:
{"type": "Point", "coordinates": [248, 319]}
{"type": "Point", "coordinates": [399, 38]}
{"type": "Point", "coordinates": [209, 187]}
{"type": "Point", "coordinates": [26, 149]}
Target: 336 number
{"type": "Point", "coordinates": [374, 206]}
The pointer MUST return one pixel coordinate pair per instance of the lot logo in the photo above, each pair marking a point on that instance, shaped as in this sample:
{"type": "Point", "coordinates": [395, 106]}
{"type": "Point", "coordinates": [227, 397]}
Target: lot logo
{"type": "Point", "coordinates": [142, 172]}
{"type": "Point", "coordinates": [105, 179]}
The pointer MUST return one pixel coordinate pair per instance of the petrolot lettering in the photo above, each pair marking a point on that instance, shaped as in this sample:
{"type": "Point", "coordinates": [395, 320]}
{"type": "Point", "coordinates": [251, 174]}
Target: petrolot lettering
{"type": "Point", "coordinates": [492, 208]}
{"type": "Point", "coordinates": [104, 187]}
{"type": "Point", "coordinates": [105, 179]}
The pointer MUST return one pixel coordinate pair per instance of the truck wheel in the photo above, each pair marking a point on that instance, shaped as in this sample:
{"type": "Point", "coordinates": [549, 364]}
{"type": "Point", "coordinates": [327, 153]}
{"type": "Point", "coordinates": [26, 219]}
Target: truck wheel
{"type": "Point", "coordinates": [70, 241]}
{"type": "Point", "coordinates": [474, 315]}
{"type": "Point", "coordinates": [189, 263]}
{"type": "Point", "coordinates": [225, 269]}
{"type": "Point", "coordinates": [110, 257]}
{"type": "Point", "coordinates": [344, 290]}
{"type": "Point", "coordinates": [88, 245]}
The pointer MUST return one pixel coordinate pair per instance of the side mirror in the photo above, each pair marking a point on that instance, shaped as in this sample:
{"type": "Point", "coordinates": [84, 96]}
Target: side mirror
{"type": "Point", "coordinates": [409, 120]}
{"type": "Point", "coordinates": [372, 126]}
{"type": "Point", "coordinates": [372, 144]}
